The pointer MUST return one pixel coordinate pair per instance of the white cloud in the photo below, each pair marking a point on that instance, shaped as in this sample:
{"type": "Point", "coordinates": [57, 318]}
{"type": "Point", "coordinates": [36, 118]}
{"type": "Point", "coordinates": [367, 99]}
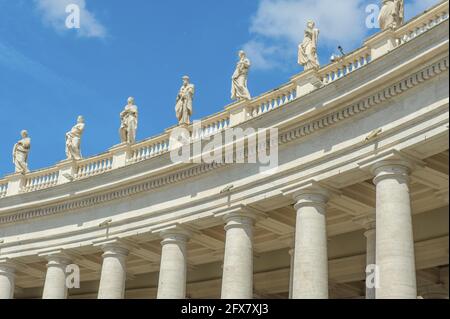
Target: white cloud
{"type": "Point", "coordinates": [278, 26]}
{"type": "Point", "coordinates": [54, 13]}
{"type": "Point", "coordinates": [342, 21]}
{"type": "Point", "coordinates": [262, 56]}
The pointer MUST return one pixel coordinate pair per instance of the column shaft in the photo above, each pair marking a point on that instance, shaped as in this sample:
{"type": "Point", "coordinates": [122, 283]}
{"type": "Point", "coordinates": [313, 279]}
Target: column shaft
{"type": "Point", "coordinates": [311, 256]}
{"type": "Point", "coordinates": [291, 272]}
{"type": "Point", "coordinates": [370, 262]}
{"type": "Point", "coordinates": [113, 277]}
{"type": "Point", "coordinates": [394, 233]}
{"type": "Point", "coordinates": [55, 286]}
{"type": "Point", "coordinates": [237, 280]}
{"type": "Point", "coordinates": [172, 274]}
{"type": "Point", "coordinates": [7, 276]}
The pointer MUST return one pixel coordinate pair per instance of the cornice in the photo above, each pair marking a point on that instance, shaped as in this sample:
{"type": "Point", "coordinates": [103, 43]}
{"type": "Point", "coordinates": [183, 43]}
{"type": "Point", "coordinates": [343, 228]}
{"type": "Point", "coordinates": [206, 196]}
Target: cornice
{"type": "Point", "coordinates": [306, 129]}
{"type": "Point", "coordinates": [366, 103]}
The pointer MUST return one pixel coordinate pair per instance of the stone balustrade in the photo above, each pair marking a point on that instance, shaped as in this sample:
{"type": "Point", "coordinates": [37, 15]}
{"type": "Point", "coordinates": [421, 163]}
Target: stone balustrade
{"type": "Point", "coordinates": [40, 180]}
{"type": "Point", "coordinates": [212, 125]}
{"type": "Point", "coordinates": [234, 114]}
{"type": "Point", "coordinates": [3, 187]}
{"type": "Point", "coordinates": [149, 148]}
{"type": "Point", "coordinates": [345, 65]}
{"type": "Point", "coordinates": [94, 166]}
{"type": "Point", "coordinates": [272, 100]}
{"type": "Point", "coordinates": [423, 23]}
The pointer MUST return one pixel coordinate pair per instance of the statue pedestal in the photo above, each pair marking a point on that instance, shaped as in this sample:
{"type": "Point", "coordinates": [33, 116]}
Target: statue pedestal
{"type": "Point", "coordinates": [307, 82]}
{"type": "Point", "coordinates": [67, 171]}
{"type": "Point", "coordinates": [15, 183]}
{"type": "Point", "coordinates": [179, 136]}
{"type": "Point", "coordinates": [238, 112]}
{"type": "Point", "coordinates": [121, 153]}
{"type": "Point", "coordinates": [381, 43]}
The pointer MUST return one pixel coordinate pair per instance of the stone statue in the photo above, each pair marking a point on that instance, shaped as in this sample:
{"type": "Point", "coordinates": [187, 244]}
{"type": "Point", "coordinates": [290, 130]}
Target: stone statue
{"type": "Point", "coordinates": [184, 103]}
{"type": "Point", "coordinates": [239, 90]}
{"type": "Point", "coordinates": [20, 153]}
{"type": "Point", "coordinates": [73, 140]}
{"type": "Point", "coordinates": [307, 50]}
{"type": "Point", "coordinates": [129, 122]}
{"type": "Point", "coordinates": [391, 14]}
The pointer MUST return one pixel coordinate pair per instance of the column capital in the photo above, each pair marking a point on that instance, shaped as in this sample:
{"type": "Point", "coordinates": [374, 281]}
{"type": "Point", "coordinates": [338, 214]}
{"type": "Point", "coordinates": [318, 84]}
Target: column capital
{"type": "Point", "coordinates": [242, 217]}
{"type": "Point", "coordinates": [390, 158]}
{"type": "Point", "coordinates": [311, 196]}
{"type": "Point", "coordinates": [370, 233]}
{"type": "Point", "coordinates": [175, 235]}
{"type": "Point", "coordinates": [241, 214]}
{"type": "Point", "coordinates": [113, 247]}
{"type": "Point", "coordinates": [7, 266]}
{"type": "Point", "coordinates": [368, 221]}
{"type": "Point", "coordinates": [56, 258]}
{"type": "Point", "coordinates": [398, 169]}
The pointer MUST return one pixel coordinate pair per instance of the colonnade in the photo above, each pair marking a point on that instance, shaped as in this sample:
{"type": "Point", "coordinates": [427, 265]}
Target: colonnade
{"type": "Point", "coordinates": [390, 246]}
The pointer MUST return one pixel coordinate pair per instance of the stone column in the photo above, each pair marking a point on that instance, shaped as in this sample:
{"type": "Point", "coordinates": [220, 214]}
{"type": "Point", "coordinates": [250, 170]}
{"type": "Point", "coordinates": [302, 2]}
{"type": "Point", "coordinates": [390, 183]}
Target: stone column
{"type": "Point", "coordinates": [237, 280]}
{"type": "Point", "coordinates": [394, 233]}
{"type": "Point", "coordinates": [55, 286]}
{"type": "Point", "coordinates": [291, 272]}
{"type": "Point", "coordinates": [311, 256]}
{"type": "Point", "coordinates": [112, 280]}
{"type": "Point", "coordinates": [370, 235]}
{"type": "Point", "coordinates": [7, 276]}
{"type": "Point", "coordinates": [368, 222]}
{"type": "Point", "coordinates": [172, 273]}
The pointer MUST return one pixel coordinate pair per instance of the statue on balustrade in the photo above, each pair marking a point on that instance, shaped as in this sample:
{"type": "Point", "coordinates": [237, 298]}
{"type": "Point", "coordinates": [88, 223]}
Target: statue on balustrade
{"type": "Point", "coordinates": [73, 140]}
{"type": "Point", "coordinates": [129, 122]}
{"type": "Point", "coordinates": [20, 153]}
{"type": "Point", "coordinates": [307, 50]}
{"type": "Point", "coordinates": [391, 14]}
{"type": "Point", "coordinates": [185, 97]}
{"type": "Point", "coordinates": [239, 90]}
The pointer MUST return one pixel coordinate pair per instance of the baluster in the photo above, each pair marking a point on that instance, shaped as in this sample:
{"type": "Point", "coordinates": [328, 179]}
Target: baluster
{"type": "Point", "coordinates": [151, 150]}
{"type": "Point", "coordinates": [144, 153]}
{"type": "Point", "coordinates": [273, 104]}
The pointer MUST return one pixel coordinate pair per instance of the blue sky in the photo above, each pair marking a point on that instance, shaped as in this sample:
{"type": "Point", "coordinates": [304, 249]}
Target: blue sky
{"type": "Point", "coordinates": [49, 74]}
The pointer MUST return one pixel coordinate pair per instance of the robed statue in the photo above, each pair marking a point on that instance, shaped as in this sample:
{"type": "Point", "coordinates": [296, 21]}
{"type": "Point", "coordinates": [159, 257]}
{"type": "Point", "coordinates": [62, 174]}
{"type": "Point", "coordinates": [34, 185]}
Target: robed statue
{"type": "Point", "coordinates": [239, 90]}
{"type": "Point", "coordinates": [73, 140]}
{"type": "Point", "coordinates": [20, 153]}
{"type": "Point", "coordinates": [307, 50]}
{"type": "Point", "coordinates": [129, 122]}
{"type": "Point", "coordinates": [185, 97]}
{"type": "Point", "coordinates": [391, 14]}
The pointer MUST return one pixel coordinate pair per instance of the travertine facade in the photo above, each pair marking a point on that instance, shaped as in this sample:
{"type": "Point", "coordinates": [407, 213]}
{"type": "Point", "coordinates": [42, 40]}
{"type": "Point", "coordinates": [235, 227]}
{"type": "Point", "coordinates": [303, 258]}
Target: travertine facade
{"type": "Point", "coordinates": [362, 179]}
